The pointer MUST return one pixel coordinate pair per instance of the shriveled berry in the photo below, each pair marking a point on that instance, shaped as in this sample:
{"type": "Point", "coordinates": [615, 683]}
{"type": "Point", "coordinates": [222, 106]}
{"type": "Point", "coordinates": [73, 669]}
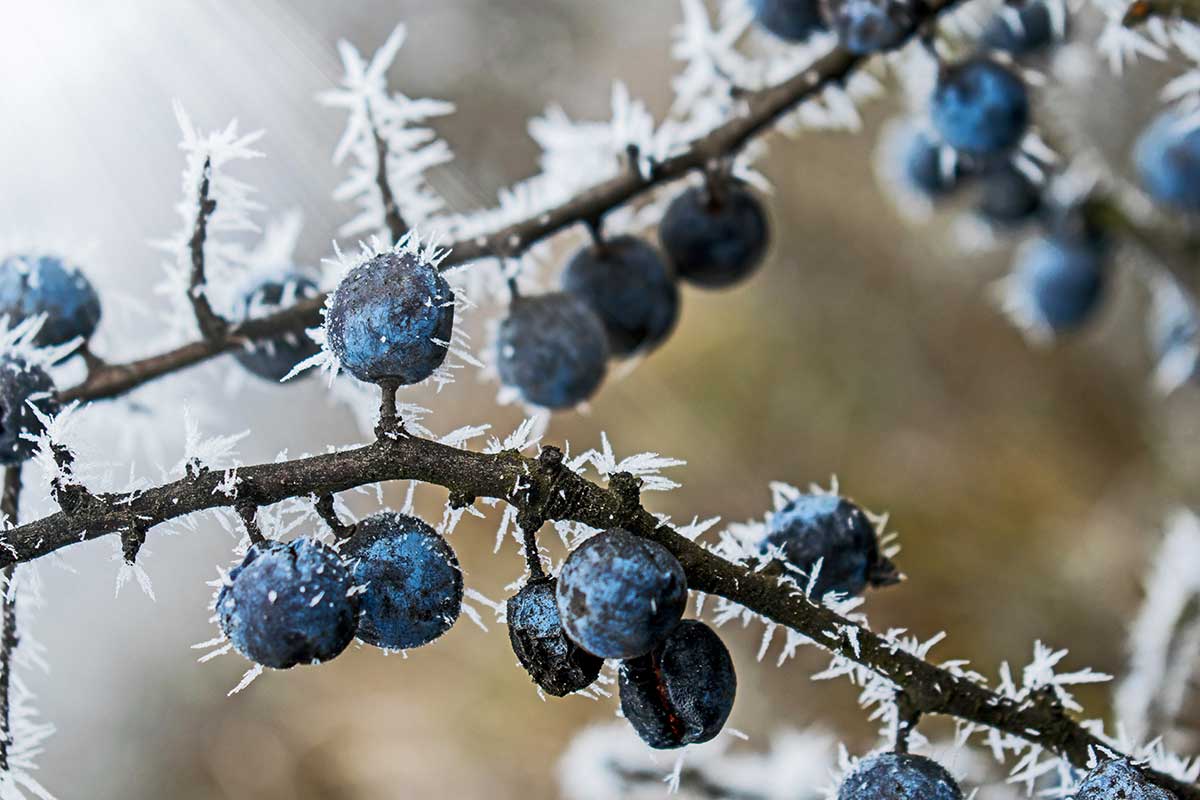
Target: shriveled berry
{"type": "Point", "coordinates": [33, 285]}
{"type": "Point", "coordinates": [715, 239]}
{"type": "Point", "coordinates": [556, 664]}
{"type": "Point", "coordinates": [553, 349]}
{"type": "Point", "coordinates": [836, 532]}
{"type": "Point", "coordinates": [682, 691]}
{"type": "Point", "coordinates": [980, 107]}
{"type": "Point", "coordinates": [897, 776]}
{"type": "Point", "coordinates": [1021, 31]}
{"type": "Point", "coordinates": [288, 604]}
{"type": "Point", "coordinates": [414, 584]}
{"type": "Point", "coordinates": [1118, 779]}
{"type": "Point", "coordinates": [22, 384]}
{"type": "Point", "coordinates": [631, 289]}
{"type": "Point", "coordinates": [1167, 158]}
{"type": "Point", "coordinates": [1061, 280]}
{"type": "Point", "coordinates": [869, 26]}
{"type": "Point", "coordinates": [390, 319]}
{"type": "Point", "coordinates": [1008, 196]}
{"type": "Point", "coordinates": [794, 20]}
{"type": "Point", "coordinates": [619, 595]}
{"type": "Point", "coordinates": [272, 359]}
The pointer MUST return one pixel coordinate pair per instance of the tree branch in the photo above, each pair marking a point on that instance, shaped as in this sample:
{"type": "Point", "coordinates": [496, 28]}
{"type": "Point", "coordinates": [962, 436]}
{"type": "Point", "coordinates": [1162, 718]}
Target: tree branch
{"type": "Point", "coordinates": [9, 502]}
{"type": "Point", "coordinates": [757, 112]}
{"type": "Point", "coordinates": [565, 495]}
{"type": "Point", "coordinates": [212, 326]}
{"type": "Point", "coordinates": [396, 225]}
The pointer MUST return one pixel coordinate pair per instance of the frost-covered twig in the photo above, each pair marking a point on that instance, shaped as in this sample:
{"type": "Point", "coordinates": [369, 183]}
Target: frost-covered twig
{"type": "Point", "coordinates": [9, 501]}
{"type": "Point", "coordinates": [212, 325]}
{"type": "Point", "coordinates": [1037, 717]}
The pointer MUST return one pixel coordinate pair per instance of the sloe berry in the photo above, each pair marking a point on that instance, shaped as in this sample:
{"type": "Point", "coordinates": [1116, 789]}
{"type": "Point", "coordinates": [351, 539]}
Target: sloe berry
{"type": "Point", "coordinates": [1167, 158]}
{"type": "Point", "coordinates": [272, 359]}
{"type": "Point", "coordinates": [1119, 780]}
{"type": "Point", "coordinates": [715, 238]}
{"type": "Point", "coordinates": [794, 20]}
{"type": "Point", "coordinates": [33, 285]}
{"type": "Point", "coordinates": [897, 776]}
{"type": "Point", "coordinates": [556, 664]}
{"type": "Point", "coordinates": [980, 107]}
{"type": "Point", "coordinates": [22, 383]}
{"type": "Point", "coordinates": [553, 349]}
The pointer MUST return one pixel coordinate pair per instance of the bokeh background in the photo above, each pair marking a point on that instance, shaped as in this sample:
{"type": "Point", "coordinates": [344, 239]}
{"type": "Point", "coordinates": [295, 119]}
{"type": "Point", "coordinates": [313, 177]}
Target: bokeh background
{"type": "Point", "coordinates": [1028, 485]}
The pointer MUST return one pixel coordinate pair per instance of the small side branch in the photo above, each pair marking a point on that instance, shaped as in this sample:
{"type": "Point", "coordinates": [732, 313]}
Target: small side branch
{"type": "Point", "coordinates": [9, 505]}
{"type": "Point", "coordinates": [212, 326]}
{"type": "Point", "coordinates": [391, 211]}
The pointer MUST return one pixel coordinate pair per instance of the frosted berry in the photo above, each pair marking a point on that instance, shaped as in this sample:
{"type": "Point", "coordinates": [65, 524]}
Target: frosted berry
{"type": "Point", "coordinates": [414, 584]}
{"type": "Point", "coordinates": [1008, 197]}
{"type": "Point", "coordinates": [896, 776]}
{"type": "Point", "coordinates": [835, 531]}
{"type": "Point", "coordinates": [288, 604]}
{"type": "Point", "coordinates": [553, 349]}
{"type": "Point", "coordinates": [33, 285]}
{"type": "Point", "coordinates": [924, 169]}
{"type": "Point", "coordinates": [794, 20]}
{"type": "Point", "coordinates": [21, 384]}
{"type": "Point", "coordinates": [556, 664]}
{"type": "Point", "coordinates": [715, 239]}
{"type": "Point", "coordinates": [1167, 158]}
{"type": "Point", "coordinates": [1119, 780]}
{"type": "Point", "coordinates": [682, 691]}
{"type": "Point", "coordinates": [1021, 31]}
{"type": "Point", "coordinates": [631, 289]}
{"type": "Point", "coordinates": [273, 359]}
{"type": "Point", "coordinates": [619, 595]}
{"type": "Point", "coordinates": [980, 107]}
{"type": "Point", "coordinates": [1062, 280]}
{"type": "Point", "coordinates": [390, 319]}
{"type": "Point", "coordinates": [869, 26]}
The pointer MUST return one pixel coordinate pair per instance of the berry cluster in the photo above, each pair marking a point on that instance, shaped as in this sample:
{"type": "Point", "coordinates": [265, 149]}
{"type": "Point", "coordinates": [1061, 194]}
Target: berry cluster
{"type": "Point", "coordinates": [394, 583]}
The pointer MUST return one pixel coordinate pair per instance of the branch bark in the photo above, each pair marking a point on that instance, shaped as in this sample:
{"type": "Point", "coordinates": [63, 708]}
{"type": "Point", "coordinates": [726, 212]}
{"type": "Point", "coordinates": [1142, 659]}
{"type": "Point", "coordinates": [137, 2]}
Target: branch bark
{"type": "Point", "coordinates": [212, 326]}
{"type": "Point", "coordinates": [560, 494]}
{"type": "Point", "coordinates": [9, 503]}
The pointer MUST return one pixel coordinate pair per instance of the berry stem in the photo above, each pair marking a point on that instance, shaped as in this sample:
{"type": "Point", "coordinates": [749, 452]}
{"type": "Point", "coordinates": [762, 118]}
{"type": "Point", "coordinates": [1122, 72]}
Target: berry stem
{"type": "Point", "coordinates": [325, 508]}
{"type": "Point", "coordinates": [9, 507]}
{"type": "Point", "coordinates": [533, 557]}
{"type": "Point", "coordinates": [389, 422]}
{"type": "Point", "coordinates": [249, 514]}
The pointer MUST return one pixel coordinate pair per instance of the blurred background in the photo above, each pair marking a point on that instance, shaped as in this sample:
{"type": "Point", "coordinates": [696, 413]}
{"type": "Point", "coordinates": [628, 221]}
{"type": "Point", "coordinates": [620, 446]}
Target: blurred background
{"type": "Point", "coordinates": [1028, 486]}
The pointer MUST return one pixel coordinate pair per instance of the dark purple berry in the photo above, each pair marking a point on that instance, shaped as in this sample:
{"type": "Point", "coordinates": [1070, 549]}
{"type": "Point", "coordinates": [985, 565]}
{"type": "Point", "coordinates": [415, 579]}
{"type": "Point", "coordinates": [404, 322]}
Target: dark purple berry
{"type": "Point", "coordinates": [836, 532]}
{"type": "Point", "coordinates": [631, 289]}
{"type": "Point", "coordinates": [896, 776]}
{"type": "Point", "coordinates": [715, 239]}
{"type": "Point", "coordinates": [794, 20]}
{"type": "Point", "coordinates": [390, 319]}
{"type": "Point", "coordinates": [682, 691]}
{"type": "Point", "coordinates": [556, 664]}
{"type": "Point", "coordinates": [553, 349]}
{"type": "Point", "coordinates": [288, 604]}
{"type": "Point", "coordinates": [1167, 158]}
{"type": "Point", "coordinates": [1031, 31]}
{"type": "Point", "coordinates": [980, 107]}
{"type": "Point", "coordinates": [22, 384]}
{"type": "Point", "coordinates": [925, 169]}
{"type": "Point", "coordinates": [272, 359]}
{"type": "Point", "coordinates": [1008, 197]}
{"type": "Point", "coordinates": [869, 26]}
{"type": "Point", "coordinates": [414, 584]}
{"type": "Point", "coordinates": [33, 285]}
{"type": "Point", "coordinates": [619, 595]}
{"type": "Point", "coordinates": [1062, 280]}
{"type": "Point", "coordinates": [1118, 779]}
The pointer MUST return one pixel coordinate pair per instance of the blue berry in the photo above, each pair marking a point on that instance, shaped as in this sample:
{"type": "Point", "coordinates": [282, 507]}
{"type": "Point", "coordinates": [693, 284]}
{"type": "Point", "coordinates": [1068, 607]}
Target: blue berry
{"type": "Point", "coordinates": [33, 285]}
{"type": "Point", "coordinates": [553, 349]}
{"type": "Point", "coordinates": [414, 584]}
{"type": "Point", "coordinates": [896, 776]}
{"type": "Point", "coordinates": [1033, 29]}
{"type": "Point", "coordinates": [391, 319]}
{"type": "Point", "coordinates": [1062, 278]}
{"type": "Point", "coordinates": [1167, 158]}
{"type": "Point", "coordinates": [1008, 197]}
{"type": "Point", "coordinates": [869, 26]}
{"type": "Point", "coordinates": [288, 604]}
{"type": "Point", "coordinates": [980, 107]}
{"type": "Point", "coordinates": [682, 691]}
{"type": "Point", "coordinates": [794, 20]}
{"type": "Point", "coordinates": [21, 384]}
{"type": "Point", "coordinates": [619, 595]}
{"type": "Point", "coordinates": [631, 289]}
{"type": "Point", "coordinates": [535, 630]}
{"type": "Point", "coordinates": [834, 530]}
{"type": "Point", "coordinates": [1119, 780]}
{"type": "Point", "coordinates": [715, 239]}
{"type": "Point", "coordinates": [923, 168]}
{"type": "Point", "coordinates": [273, 359]}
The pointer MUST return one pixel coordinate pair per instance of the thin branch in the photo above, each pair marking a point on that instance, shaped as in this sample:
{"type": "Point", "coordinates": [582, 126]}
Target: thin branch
{"type": "Point", "coordinates": [9, 504]}
{"type": "Point", "coordinates": [757, 112]}
{"type": "Point", "coordinates": [396, 225]}
{"type": "Point", "coordinates": [212, 326]}
{"type": "Point", "coordinates": [515, 479]}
